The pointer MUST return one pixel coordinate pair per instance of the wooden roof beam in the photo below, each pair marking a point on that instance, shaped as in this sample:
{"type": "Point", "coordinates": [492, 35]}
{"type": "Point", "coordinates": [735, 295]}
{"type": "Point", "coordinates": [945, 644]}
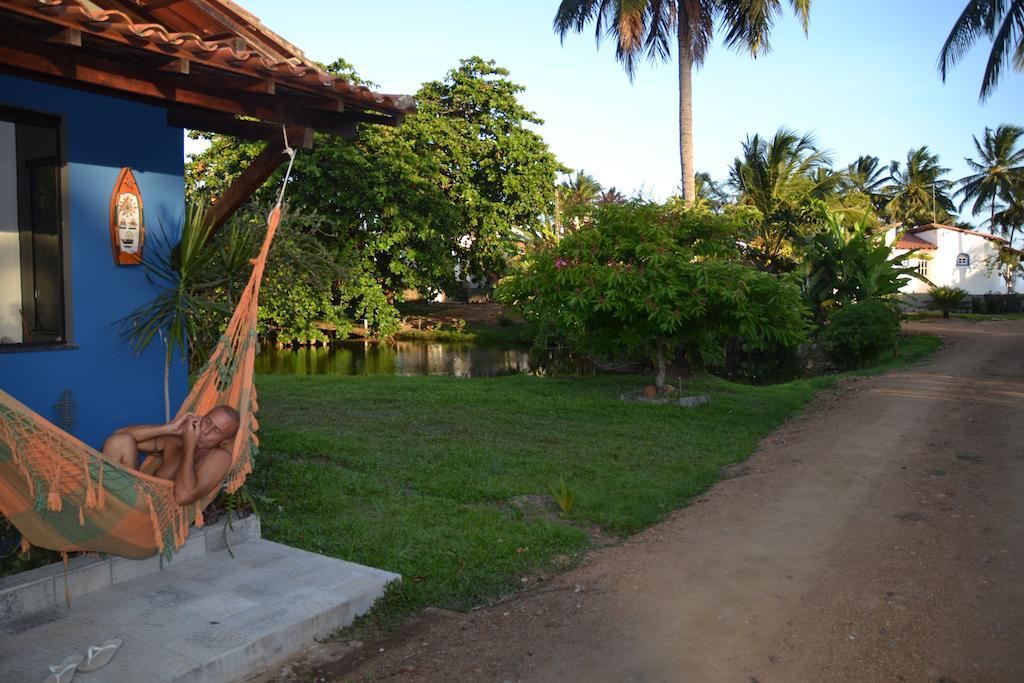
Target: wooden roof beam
{"type": "Point", "coordinates": [245, 185]}
{"type": "Point", "coordinates": [210, 122]}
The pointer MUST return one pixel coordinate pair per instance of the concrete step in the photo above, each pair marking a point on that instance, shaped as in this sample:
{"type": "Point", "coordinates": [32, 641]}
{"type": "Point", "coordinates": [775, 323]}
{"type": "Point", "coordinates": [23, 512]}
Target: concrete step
{"type": "Point", "coordinates": [208, 619]}
{"type": "Point", "coordinates": [42, 588]}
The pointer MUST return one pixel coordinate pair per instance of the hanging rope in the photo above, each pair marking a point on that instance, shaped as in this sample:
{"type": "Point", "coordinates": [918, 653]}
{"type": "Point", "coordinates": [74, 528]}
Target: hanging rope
{"type": "Point", "coordinates": [291, 160]}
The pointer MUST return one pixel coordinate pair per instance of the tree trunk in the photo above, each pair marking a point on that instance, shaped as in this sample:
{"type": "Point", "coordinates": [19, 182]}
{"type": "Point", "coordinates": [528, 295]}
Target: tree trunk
{"type": "Point", "coordinates": [686, 118]}
{"type": "Point", "coordinates": [659, 359]}
{"type": "Point", "coordinates": [167, 384]}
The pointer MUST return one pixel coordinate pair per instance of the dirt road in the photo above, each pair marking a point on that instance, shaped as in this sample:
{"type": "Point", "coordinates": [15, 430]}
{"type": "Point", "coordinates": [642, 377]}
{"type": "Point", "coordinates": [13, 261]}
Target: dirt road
{"type": "Point", "coordinates": [878, 537]}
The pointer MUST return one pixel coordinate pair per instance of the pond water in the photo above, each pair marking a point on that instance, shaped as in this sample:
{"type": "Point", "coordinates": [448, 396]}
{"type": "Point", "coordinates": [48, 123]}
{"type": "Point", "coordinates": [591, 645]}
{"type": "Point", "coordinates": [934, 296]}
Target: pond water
{"type": "Point", "coordinates": [399, 358]}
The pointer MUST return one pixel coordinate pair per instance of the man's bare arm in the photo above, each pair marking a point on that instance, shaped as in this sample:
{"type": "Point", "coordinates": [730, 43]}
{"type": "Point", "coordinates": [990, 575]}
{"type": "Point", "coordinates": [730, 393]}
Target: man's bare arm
{"type": "Point", "coordinates": [149, 437]}
{"type": "Point", "coordinates": [192, 483]}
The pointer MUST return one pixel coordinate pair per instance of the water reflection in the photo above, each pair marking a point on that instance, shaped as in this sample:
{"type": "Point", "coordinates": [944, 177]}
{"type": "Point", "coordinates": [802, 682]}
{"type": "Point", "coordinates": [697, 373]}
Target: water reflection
{"type": "Point", "coordinates": [400, 358]}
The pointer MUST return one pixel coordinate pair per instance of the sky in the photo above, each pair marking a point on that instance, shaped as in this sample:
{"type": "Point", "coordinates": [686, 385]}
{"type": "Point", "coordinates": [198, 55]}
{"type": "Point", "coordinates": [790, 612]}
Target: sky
{"type": "Point", "coordinates": [863, 80]}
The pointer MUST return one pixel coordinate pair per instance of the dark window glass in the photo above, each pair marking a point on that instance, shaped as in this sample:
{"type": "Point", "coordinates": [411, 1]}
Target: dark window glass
{"type": "Point", "coordinates": [30, 172]}
{"type": "Point", "coordinates": [963, 260]}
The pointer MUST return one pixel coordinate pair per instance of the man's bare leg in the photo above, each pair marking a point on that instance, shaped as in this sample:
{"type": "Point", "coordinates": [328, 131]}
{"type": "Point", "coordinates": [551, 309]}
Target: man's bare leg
{"type": "Point", "coordinates": [122, 449]}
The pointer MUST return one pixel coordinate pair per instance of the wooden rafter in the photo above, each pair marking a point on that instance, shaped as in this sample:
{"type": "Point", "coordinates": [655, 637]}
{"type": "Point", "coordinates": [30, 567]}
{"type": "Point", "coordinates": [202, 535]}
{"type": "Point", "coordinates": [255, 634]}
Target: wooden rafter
{"type": "Point", "coordinates": [261, 168]}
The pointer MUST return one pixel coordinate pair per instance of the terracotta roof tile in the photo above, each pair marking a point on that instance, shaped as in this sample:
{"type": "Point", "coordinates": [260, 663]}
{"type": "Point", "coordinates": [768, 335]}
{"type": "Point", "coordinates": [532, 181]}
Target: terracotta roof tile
{"type": "Point", "coordinates": [909, 241]}
{"type": "Point", "coordinates": [240, 42]}
{"type": "Point", "coordinates": [940, 226]}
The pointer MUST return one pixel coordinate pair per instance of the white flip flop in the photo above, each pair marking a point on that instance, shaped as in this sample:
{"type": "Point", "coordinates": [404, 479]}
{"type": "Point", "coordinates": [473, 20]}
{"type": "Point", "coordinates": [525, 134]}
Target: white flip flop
{"type": "Point", "coordinates": [98, 656]}
{"type": "Point", "coordinates": [65, 671]}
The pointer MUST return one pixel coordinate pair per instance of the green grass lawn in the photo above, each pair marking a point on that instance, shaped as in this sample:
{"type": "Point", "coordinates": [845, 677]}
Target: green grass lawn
{"type": "Point", "coordinates": [418, 475]}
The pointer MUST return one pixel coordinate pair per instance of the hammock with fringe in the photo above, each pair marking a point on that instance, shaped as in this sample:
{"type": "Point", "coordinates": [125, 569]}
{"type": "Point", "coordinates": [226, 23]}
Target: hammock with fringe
{"type": "Point", "coordinates": [63, 495]}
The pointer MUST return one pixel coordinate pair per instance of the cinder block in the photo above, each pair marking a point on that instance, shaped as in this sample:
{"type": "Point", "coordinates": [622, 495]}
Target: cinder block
{"type": "Point", "coordinates": [85, 579]}
{"type": "Point", "coordinates": [195, 547]}
{"type": "Point", "coordinates": [122, 569]}
{"type": "Point", "coordinates": [25, 598]}
{"type": "Point", "coordinates": [219, 536]}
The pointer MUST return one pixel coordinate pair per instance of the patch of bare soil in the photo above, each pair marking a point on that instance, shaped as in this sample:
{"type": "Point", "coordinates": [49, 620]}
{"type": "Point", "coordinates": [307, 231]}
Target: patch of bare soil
{"type": "Point", "coordinates": [451, 312]}
{"type": "Point", "coordinates": [878, 537]}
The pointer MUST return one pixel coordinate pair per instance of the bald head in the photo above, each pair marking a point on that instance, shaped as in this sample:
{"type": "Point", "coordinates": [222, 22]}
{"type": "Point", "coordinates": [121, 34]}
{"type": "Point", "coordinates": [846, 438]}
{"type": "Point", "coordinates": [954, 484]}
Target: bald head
{"type": "Point", "coordinates": [218, 425]}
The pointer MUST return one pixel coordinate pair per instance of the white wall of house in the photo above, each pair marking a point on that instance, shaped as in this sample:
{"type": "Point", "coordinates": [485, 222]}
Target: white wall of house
{"type": "Point", "coordinates": [945, 265]}
{"type": "Point", "coordinates": [10, 254]}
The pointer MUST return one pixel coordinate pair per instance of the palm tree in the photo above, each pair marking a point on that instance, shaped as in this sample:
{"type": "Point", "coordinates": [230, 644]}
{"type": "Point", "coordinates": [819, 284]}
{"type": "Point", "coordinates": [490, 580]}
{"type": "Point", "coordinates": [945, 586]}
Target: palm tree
{"type": "Point", "coordinates": [575, 198]}
{"type": "Point", "coordinates": [611, 196]}
{"type": "Point", "coordinates": [998, 170]}
{"type": "Point", "coordinates": [580, 189]}
{"type": "Point", "coordinates": [1000, 20]}
{"type": "Point", "coordinates": [919, 194]}
{"type": "Point", "coordinates": [778, 176]}
{"type": "Point", "coordinates": [868, 177]}
{"type": "Point", "coordinates": [646, 27]}
{"type": "Point", "coordinates": [1011, 219]}
{"type": "Point", "coordinates": [710, 192]}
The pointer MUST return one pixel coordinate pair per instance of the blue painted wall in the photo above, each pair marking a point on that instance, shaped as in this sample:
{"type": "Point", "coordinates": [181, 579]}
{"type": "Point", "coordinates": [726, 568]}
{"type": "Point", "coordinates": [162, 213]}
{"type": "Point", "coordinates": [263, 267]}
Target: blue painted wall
{"type": "Point", "coordinates": [111, 386]}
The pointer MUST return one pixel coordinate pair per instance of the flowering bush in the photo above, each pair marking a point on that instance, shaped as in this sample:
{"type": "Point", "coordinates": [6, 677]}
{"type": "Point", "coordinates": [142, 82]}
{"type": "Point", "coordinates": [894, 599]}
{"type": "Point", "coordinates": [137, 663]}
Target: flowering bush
{"type": "Point", "coordinates": [644, 279]}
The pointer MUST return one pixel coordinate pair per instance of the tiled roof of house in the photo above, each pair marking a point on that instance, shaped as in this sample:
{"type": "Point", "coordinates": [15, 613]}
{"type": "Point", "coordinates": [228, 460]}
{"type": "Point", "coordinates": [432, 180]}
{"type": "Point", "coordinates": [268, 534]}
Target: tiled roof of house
{"type": "Point", "coordinates": [909, 241]}
{"type": "Point", "coordinates": [214, 38]}
{"type": "Point", "coordinates": [940, 226]}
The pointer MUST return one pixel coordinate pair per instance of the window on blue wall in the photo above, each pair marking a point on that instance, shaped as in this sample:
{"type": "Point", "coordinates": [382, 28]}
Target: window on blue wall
{"type": "Point", "coordinates": [32, 307]}
{"type": "Point", "coordinates": [963, 260]}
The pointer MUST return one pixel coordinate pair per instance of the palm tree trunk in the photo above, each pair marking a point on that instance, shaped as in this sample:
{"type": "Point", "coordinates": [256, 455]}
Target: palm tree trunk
{"type": "Point", "coordinates": [686, 118]}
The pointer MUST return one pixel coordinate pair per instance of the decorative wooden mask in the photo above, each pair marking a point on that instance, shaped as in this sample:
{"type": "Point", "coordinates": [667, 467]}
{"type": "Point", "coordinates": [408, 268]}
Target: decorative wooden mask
{"type": "Point", "coordinates": [127, 230]}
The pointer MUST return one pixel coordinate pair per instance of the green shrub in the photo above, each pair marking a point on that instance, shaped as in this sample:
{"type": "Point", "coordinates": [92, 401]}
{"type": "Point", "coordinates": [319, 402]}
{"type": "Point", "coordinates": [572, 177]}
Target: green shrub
{"type": "Point", "coordinates": [858, 334]}
{"type": "Point", "coordinates": [997, 304]}
{"type": "Point", "coordinates": [947, 299]}
{"type": "Point", "coordinates": [646, 280]}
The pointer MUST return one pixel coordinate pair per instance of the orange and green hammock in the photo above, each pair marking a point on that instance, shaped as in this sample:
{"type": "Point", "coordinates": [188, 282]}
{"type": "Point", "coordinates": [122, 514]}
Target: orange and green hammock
{"type": "Point", "coordinates": [63, 495]}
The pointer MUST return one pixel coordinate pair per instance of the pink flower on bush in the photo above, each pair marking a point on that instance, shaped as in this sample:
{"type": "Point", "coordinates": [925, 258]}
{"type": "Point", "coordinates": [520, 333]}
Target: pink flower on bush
{"type": "Point", "coordinates": [561, 263]}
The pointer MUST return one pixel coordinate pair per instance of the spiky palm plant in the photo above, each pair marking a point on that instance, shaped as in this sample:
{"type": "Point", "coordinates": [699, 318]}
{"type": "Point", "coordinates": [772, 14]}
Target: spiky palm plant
{"type": "Point", "coordinates": [946, 299]}
{"type": "Point", "coordinates": [1000, 20]}
{"type": "Point", "coordinates": [178, 269]}
{"type": "Point", "coordinates": [649, 27]}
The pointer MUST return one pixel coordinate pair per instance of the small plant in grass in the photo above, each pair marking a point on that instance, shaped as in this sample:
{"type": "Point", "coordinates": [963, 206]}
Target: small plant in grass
{"type": "Point", "coordinates": [947, 299]}
{"type": "Point", "coordinates": [563, 495]}
{"type": "Point", "coordinates": [858, 334]}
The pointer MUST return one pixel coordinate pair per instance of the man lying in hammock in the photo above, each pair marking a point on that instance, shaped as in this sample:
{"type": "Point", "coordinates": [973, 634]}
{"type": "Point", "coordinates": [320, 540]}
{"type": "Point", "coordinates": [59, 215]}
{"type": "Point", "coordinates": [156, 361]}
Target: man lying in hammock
{"type": "Point", "coordinates": [192, 449]}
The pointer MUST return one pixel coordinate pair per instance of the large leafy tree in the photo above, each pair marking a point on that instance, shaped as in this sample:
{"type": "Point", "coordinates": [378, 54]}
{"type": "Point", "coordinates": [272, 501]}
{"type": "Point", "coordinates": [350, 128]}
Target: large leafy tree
{"type": "Point", "coordinates": [781, 176]}
{"type": "Point", "coordinates": [649, 27]}
{"type": "Point", "coordinates": [455, 185]}
{"type": "Point", "coordinates": [998, 172]}
{"type": "Point", "coordinates": [919, 192]}
{"type": "Point", "coordinates": [1000, 20]}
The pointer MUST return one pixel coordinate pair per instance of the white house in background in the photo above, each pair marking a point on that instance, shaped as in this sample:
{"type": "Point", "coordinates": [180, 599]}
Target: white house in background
{"type": "Point", "coordinates": [950, 256]}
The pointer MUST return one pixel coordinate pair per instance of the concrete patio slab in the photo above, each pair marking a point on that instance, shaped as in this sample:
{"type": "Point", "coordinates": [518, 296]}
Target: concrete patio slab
{"type": "Point", "coordinates": [209, 619]}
